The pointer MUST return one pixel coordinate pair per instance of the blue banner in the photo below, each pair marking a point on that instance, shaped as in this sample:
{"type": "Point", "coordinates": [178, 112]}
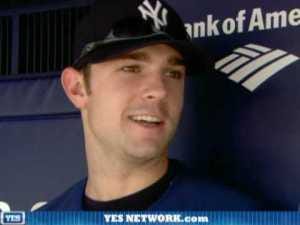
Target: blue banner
{"type": "Point", "coordinates": [199, 217]}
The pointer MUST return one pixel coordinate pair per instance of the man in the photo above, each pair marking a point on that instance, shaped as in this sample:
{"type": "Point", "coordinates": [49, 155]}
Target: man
{"type": "Point", "coordinates": [128, 83]}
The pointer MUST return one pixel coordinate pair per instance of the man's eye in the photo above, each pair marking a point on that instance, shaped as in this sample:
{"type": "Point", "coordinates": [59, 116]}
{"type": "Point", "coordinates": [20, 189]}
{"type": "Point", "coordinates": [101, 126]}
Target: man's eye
{"type": "Point", "coordinates": [131, 69]}
{"type": "Point", "coordinates": [175, 74]}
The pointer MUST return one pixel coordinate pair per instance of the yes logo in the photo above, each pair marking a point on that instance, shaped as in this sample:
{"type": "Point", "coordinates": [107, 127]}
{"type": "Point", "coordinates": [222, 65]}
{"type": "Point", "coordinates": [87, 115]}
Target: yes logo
{"type": "Point", "coordinates": [154, 13]}
{"type": "Point", "coordinates": [13, 218]}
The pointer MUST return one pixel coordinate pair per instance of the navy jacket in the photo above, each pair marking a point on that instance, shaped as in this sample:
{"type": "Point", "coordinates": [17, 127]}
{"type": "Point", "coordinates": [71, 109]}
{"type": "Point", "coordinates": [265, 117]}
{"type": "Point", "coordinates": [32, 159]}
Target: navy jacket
{"type": "Point", "coordinates": [186, 192]}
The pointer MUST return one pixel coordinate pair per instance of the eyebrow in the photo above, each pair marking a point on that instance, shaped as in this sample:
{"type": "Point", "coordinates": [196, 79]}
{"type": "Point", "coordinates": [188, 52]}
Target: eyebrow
{"type": "Point", "coordinates": [142, 56]}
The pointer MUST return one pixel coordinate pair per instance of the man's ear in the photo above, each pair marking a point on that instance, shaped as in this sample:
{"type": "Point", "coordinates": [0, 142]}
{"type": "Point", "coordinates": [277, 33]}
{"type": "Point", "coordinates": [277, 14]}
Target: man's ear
{"type": "Point", "coordinates": [73, 84]}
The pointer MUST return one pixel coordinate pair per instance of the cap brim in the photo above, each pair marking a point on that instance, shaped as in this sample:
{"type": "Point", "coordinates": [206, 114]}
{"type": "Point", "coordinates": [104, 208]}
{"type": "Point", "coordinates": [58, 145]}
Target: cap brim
{"type": "Point", "coordinates": [195, 58]}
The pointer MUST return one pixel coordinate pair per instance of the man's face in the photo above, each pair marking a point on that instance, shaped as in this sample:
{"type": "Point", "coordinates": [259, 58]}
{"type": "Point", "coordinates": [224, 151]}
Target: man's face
{"type": "Point", "coordinates": [135, 103]}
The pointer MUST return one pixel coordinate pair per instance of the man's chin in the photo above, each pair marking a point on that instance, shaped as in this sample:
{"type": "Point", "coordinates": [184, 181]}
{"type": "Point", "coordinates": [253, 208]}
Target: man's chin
{"type": "Point", "coordinates": [142, 153]}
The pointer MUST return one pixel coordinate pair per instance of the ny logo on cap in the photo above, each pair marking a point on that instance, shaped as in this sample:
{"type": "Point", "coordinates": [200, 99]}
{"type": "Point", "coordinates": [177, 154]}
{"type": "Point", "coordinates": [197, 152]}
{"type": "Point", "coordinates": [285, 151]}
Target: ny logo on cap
{"type": "Point", "coordinates": [148, 11]}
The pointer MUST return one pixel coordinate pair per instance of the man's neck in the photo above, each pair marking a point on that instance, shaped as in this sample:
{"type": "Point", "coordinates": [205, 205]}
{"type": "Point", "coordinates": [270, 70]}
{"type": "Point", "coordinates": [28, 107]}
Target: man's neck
{"type": "Point", "coordinates": [113, 180]}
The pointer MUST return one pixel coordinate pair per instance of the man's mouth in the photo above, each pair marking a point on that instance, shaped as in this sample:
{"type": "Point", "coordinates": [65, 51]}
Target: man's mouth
{"type": "Point", "coordinates": [146, 120]}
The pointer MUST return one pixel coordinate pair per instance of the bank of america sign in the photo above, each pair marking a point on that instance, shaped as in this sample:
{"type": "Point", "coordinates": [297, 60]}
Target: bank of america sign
{"type": "Point", "coordinates": [252, 64]}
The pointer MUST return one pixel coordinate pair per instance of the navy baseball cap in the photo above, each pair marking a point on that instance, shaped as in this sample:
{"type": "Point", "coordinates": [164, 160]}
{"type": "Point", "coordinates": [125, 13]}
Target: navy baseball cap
{"type": "Point", "coordinates": [114, 27]}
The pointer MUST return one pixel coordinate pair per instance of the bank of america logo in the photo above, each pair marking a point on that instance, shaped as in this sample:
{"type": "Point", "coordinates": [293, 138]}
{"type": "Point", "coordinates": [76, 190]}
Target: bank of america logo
{"type": "Point", "coordinates": [252, 64]}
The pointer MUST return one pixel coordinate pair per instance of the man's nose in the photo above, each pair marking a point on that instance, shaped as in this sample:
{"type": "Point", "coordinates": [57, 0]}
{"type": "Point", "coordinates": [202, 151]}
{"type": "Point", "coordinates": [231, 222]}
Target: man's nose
{"type": "Point", "coordinates": [155, 88]}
